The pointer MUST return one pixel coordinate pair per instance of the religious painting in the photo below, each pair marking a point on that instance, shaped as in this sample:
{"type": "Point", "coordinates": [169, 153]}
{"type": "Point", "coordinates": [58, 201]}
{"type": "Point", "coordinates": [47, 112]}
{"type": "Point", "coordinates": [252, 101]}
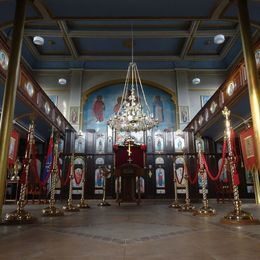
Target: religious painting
{"type": "Point", "coordinates": [224, 175]}
{"type": "Point", "coordinates": [74, 115]}
{"type": "Point", "coordinates": [250, 189]}
{"type": "Point", "coordinates": [61, 145]}
{"type": "Point", "coordinates": [98, 108]}
{"type": "Point", "coordinates": [105, 102]}
{"type": "Point", "coordinates": [118, 104]}
{"type": "Point", "coordinates": [13, 147]}
{"type": "Point", "coordinates": [80, 144]}
{"type": "Point", "coordinates": [54, 99]}
{"type": "Point", "coordinates": [120, 137]}
{"type": "Point", "coordinates": [179, 172]}
{"type": "Point", "coordinates": [78, 172]}
{"type": "Point", "coordinates": [159, 160]}
{"type": "Point", "coordinates": [200, 141]}
{"type": "Point", "coordinates": [141, 183]}
{"type": "Point", "coordinates": [4, 60]}
{"type": "Point", "coordinates": [204, 100]}
{"type": "Point", "coordinates": [100, 143]}
{"type": "Point", "coordinates": [98, 178]}
{"type": "Point", "coordinates": [219, 147]}
{"type": "Point", "coordinates": [158, 142]}
{"type": "Point", "coordinates": [158, 108]}
{"type": "Point", "coordinates": [100, 161]}
{"type": "Point", "coordinates": [160, 177]}
{"type": "Point", "coordinates": [249, 177]}
{"type": "Point", "coordinates": [184, 114]}
{"type": "Point", "coordinates": [138, 137]}
{"type": "Point", "coordinates": [179, 141]}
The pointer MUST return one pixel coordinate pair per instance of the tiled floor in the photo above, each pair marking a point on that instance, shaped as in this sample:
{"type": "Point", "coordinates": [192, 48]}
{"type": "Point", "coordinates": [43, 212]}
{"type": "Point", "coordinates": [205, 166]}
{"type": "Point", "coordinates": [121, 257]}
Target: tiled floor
{"type": "Point", "coordinates": [149, 231]}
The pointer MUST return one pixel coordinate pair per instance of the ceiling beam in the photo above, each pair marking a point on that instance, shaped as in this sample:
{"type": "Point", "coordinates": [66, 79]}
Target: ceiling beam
{"type": "Point", "coordinates": [165, 58]}
{"type": "Point", "coordinates": [219, 9]}
{"type": "Point", "coordinates": [69, 42]}
{"type": "Point", "coordinates": [126, 34]}
{"type": "Point", "coordinates": [32, 48]}
{"type": "Point", "coordinates": [229, 43]}
{"type": "Point", "coordinates": [187, 45]}
{"type": "Point", "coordinates": [42, 9]}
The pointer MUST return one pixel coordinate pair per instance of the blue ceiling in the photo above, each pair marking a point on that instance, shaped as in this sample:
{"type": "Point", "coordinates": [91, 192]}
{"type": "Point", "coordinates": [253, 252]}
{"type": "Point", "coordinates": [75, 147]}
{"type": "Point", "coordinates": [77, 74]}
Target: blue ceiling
{"type": "Point", "coordinates": [96, 34]}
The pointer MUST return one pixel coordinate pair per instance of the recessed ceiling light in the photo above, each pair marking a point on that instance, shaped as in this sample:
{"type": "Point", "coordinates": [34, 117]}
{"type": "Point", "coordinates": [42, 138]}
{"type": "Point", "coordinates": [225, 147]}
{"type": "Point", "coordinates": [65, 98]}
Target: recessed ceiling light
{"type": "Point", "coordinates": [62, 81]}
{"type": "Point", "coordinates": [196, 81]}
{"type": "Point", "coordinates": [218, 39]}
{"type": "Point", "coordinates": [38, 40]}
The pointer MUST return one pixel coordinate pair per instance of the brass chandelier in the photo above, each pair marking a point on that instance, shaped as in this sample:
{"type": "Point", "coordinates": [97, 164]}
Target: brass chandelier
{"type": "Point", "coordinates": [134, 113]}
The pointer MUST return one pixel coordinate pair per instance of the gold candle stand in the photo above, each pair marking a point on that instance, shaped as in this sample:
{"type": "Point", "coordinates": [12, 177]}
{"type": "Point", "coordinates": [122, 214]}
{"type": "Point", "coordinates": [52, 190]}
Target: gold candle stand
{"type": "Point", "coordinates": [21, 216]}
{"type": "Point", "coordinates": [187, 207]}
{"type": "Point", "coordinates": [205, 210]}
{"type": "Point", "coordinates": [70, 207]}
{"type": "Point", "coordinates": [83, 204]}
{"type": "Point", "coordinates": [175, 204]}
{"type": "Point", "coordinates": [52, 211]}
{"type": "Point", "coordinates": [105, 172]}
{"type": "Point", "coordinates": [237, 216]}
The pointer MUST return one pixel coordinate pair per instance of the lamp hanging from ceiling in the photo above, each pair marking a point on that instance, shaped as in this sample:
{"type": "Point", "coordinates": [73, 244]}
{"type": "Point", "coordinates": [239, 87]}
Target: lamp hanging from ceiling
{"type": "Point", "coordinates": [134, 113]}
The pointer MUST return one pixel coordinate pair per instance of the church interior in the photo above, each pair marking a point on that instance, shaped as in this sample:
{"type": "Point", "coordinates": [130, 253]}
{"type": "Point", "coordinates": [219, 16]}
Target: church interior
{"type": "Point", "coordinates": [129, 129]}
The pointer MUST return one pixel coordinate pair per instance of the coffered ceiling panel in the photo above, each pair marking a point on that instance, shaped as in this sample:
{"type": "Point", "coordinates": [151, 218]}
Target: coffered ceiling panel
{"type": "Point", "coordinates": [97, 34]}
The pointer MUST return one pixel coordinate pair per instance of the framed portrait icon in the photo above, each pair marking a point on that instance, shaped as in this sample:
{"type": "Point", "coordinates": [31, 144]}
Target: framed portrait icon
{"type": "Point", "coordinates": [74, 115]}
{"type": "Point", "coordinates": [184, 114]}
{"type": "Point", "coordinates": [204, 100]}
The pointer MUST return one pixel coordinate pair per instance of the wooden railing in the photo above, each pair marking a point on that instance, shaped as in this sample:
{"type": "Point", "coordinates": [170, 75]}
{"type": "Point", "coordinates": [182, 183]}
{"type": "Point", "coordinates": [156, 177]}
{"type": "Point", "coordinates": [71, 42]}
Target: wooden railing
{"type": "Point", "coordinates": [32, 94]}
{"type": "Point", "coordinates": [234, 87]}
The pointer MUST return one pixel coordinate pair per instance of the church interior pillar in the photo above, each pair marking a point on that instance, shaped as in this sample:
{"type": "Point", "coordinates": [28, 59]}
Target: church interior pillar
{"type": "Point", "coordinates": [252, 77]}
{"type": "Point", "coordinates": [10, 92]}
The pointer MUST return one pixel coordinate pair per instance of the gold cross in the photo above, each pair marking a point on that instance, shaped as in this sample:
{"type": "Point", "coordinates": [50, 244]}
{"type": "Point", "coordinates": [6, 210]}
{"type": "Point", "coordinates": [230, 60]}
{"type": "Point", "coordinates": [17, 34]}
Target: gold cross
{"type": "Point", "coordinates": [226, 112]}
{"type": "Point", "coordinates": [129, 149]}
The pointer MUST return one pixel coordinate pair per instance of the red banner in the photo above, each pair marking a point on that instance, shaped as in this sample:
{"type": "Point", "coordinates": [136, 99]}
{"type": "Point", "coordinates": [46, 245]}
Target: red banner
{"type": "Point", "coordinates": [13, 147]}
{"type": "Point", "coordinates": [247, 139]}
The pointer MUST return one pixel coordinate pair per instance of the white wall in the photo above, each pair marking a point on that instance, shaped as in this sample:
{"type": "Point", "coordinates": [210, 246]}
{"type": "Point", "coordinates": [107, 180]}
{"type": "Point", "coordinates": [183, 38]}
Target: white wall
{"type": "Point", "coordinates": [179, 81]}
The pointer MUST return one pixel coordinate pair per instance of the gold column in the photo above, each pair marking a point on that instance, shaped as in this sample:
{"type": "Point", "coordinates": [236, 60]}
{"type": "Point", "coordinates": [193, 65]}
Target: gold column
{"type": "Point", "coordinates": [252, 77]}
{"type": "Point", "coordinates": [10, 93]}
{"type": "Point", "coordinates": [237, 216]}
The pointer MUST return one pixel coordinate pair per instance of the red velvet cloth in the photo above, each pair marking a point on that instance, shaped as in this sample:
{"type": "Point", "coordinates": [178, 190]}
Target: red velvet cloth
{"type": "Point", "coordinates": [137, 155]}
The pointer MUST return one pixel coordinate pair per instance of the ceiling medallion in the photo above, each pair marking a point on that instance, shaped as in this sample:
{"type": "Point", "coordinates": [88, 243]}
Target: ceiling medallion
{"type": "Point", "coordinates": [231, 88]}
{"type": "Point", "coordinates": [47, 108]}
{"type": "Point", "coordinates": [195, 125]}
{"type": "Point", "coordinates": [58, 121]}
{"type": "Point", "coordinates": [257, 56]}
{"type": "Point", "coordinates": [4, 60]}
{"type": "Point", "coordinates": [201, 119]}
{"type": "Point", "coordinates": [29, 88]}
{"type": "Point", "coordinates": [213, 107]}
{"type": "Point", "coordinates": [134, 114]}
{"type": "Point", "coordinates": [206, 114]}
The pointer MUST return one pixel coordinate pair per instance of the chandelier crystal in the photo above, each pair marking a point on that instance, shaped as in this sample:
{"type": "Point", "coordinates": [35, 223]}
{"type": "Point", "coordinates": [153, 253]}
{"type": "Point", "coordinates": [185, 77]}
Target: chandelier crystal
{"type": "Point", "coordinates": [134, 113]}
